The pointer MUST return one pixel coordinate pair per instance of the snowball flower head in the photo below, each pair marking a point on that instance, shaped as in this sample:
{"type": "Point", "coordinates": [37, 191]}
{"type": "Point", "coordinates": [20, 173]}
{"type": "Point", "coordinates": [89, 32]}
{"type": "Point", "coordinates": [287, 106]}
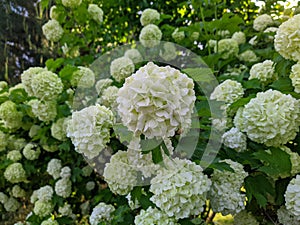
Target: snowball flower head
{"type": "Point", "coordinates": [227, 48]}
{"type": "Point", "coordinates": [89, 129]}
{"type": "Point", "coordinates": [168, 52]}
{"type": "Point", "coordinates": [71, 3]}
{"type": "Point", "coordinates": [10, 115]}
{"type": "Point", "coordinates": [248, 56]}
{"type": "Point", "coordinates": [262, 22]}
{"type": "Point", "coordinates": [178, 35]}
{"type": "Point", "coordinates": [44, 110]}
{"type": "Point", "coordinates": [150, 36]}
{"type": "Point", "coordinates": [15, 173]}
{"type": "Point", "coordinates": [11, 205]}
{"type": "Point", "coordinates": [149, 16]}
{"type": "Point", "coordinates": [59, 129]}
{"type": "Point", "coordinates": [102, 84]}
{"type": "Point", "coordinates": [120, 176]}
{"type": "Point", "coordinates": [121, 68]}
{"type": "Point", "coordinates": [295, 77]}
{"type": "Point", "coordinates": [109, 96]}
{"type": "Point", "coordinates": [53, 30]}
{"type": "Point", "coordinates": [18, 192]}
{"type": "Point", "coordinates": [46, 85]}
{"type": "Point", "coordinates": [272, 118]}
{"type": "Point", "coordinates": [50, 221]}
{"type": "Point", "coordinates": [153, 216]}
{"type": "Point", "coordinates": [31, 151]}
{"type": "Point", "coordinates": [244, 218]}
{"type": "Point", "coordinates": [265, 72]}
{"type": "Point", "coordinates": [180, 188]}
{"type": "Point", "coordinates": [295, 160]}
{"type": "Point", "coordinates": [240, 37]}
{"type": "Point", "coordinates": [287, 39]}
{"type": "Point", "coordinates": [286, 218]}
{"type": "Point", "coordinates": [14, 155]}
{"type": "Point", "coordinates": [63, 187]}
{"type": "Point", "coordinates": [229, 91]}
{"type": "Point", "coordinates": [43, 208]}
{"type": "Point", "coordinates": [156, 101]}
{"type": "Point", "coordinates": [3, 141]}
{"type": "Point", "coordinates": [53, 168]}
{"type": "Point", "coordinates": [134, 55]}
{"type": "Point", "coordinates": [101, 213]}
{"type": "Point", "coordinates": [83, 78]}
{"type": "Point", "coordinates": [95, 12]}
{"type": "Point", "coordinates": [28, 75]}
{"type": "Point", "coordinates": [292, 196]}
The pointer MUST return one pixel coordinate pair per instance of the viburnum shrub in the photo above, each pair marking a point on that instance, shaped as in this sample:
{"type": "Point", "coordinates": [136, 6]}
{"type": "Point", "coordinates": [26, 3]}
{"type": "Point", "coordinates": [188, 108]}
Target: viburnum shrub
{"type": "Point", "coordinates": [137, 134]}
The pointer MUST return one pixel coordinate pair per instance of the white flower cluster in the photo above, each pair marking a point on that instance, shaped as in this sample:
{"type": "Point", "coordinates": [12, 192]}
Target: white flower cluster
{"type": "Point", "coordinates": [286, 218]}
{"type": "Point", "coordinates": [244, 218]}
{"type": "Point", "coordinates": [150, 36]}
{"type": "Point", "coordinates": [83, 78]}
{"type": "Point", "coordinates": [235, 139]}
{"type": "Point", "coordinates": [71, 3]}
{"type": "Point", "coordinates": [168, 52]}
{"type": "Point", "coordinates": [265, 72]}
{"type": "Point", "coordinates": [11, 204]}
{"type": "Point", "coordinates": [95, 12]}
{"type": "Point", "coordinates": [66, 210]}
{"type": "Point", "coordinates": [101, 213]}
{"type": "Point", "coordinates": [240, 37]}
{"type": "Point", "coordinates": [89, 129]}
{"type": "Point", "coordinates": [31, 151]}
{"type": "Point", "coordinates": [28, 75]}
{"type": "Point", "coordinates": [50, 221]}
{"type": "Point", "coordinates": [119, 174]}
{"type": "Point", "coordinates": [120, 68]}
{"type": "Point", "coordinates": [292, 196]}
{"type": "Point", "coordinates": [134, 55]}
{"type": "Point", "coordinates": [53, 30]}
{"type": "Point", "coordinates": [180, 188]}
{"type": "Point", "coordinates": [54, 167]}
{"type": "Point", "coordinates": [59, 129]}
{"type": "Point", "coordinates": [15, 173]}
{"type": "Point", "coordinates": [272, 118]}
{"type": "Point", "coordinates": [43, 208]}
{"type": "Point", "coordinates": [295, 77]}
{"type": "Point", "coordinates": [149, 16]}
{"type": "Point", "coordinates": [153, 216]}
{"type": "Point", "coordinates": [18, 192]}
{"type": "Point", "coordinates": [287, 39]}
{"type": "Point", "coordinates": [227, 47]}
{"type": "Point", "coordinates": [109, 97]}
{"type": "Point", "coordinates": [225, 195]}
{"type": "Point", "coordinates": [178, 35]}
{"type": "Point", "coordinates": [3, 141]}
{"type": "Point", "coordinates": [248, 56]}
{"type": "Point", "coordinates": [14, 155]}
{"type": "Point", "coordinates": [44, 111]}
{"type": "Point", "coordinates": [229, 91]}
{"type": "Point", "coordinates": [63, 187]}
{"type": "Point", "coordinates": [295, 160]}
{"type": "Point", "coordinates": [262, 22]}
{"type": "Point", "coordinates": [44, 193]}
{"type": "Point", "coordinates": [156, 101]}
{"type": "Point", "coordinates": [102, 84]}
{"type": "Point", "coordinates": [10, 115]}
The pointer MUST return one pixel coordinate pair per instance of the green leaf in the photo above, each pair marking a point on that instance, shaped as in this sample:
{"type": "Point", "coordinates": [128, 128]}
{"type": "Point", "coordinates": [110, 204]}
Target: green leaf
{"type": "Point", "coordinates": [241, 102]}
{"type": "Point", "coordinates": [18, 95]}
{"type": "Point", "coordinates": [276, 162]}
{"type": "Point", "coordinates": [53, 65]}
{"type": "Point", "coordinates": [283, 84]}
{"type": "Point", "coordinates": [67, 72]}
{"type": "Point", "coordinates": [65, 220]}
{"type": "Point", "coordinates": [200, 74]}
{"type": "Point", "coordinates": [44, 4]}
{"type": "Point", "coordinates": [122, 132]}
{"type": "Point", "coordinates": [252, 84]}
{"type": "Point", "coordinates": [157, 155]}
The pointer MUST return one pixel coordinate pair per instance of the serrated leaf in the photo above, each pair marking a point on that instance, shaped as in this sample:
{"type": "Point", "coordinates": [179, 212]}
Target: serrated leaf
{"type": "Point", "coordinates": [252, 84]}
{"type": "Point", "coordinates": [282, 84]}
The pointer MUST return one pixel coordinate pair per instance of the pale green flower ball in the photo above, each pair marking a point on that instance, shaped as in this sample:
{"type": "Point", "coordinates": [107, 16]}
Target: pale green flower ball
{"type": "Point", "coordinates": [109, 97]}
{"type": "Point", "coordinates": [180, 188]}
{"type": "Point", "coordinates": [71, 3]}
{"type": "Point", "coordinates": [65, 210]}
{"type": "Point", "coordinates": [50, 221]}
{"type": "Point", "coordinates": [156, 101]}
{"type": "Point", "coordinates": [3, 85]}
{"type": "Point", "coordinates": [286, 218]}
{"type": "Point", "coordinates": [15, 143]}
{"type": "Point", "coordinates": [15, 173]}
{"type": "Point", "coordinates": [65, 172]}
{"type": "Point", "coordinates": [53, 168]}
{"type": "Point", "coordinates": [168, 52]}
{"type": "Point", "coordinates": [119, 175]}
{"type": "Point", "coordinates": [96, 13]}
{"type": "Point", "coordinates": [150, 36]}
{"type": "Point", "coordinates": [121, 68]}
{"type": "Point", "coordinates": [89, 129]}
{"type": "Point", "coordinates": [153, 216]}
{"type": "Point", "coordinates": [43, 110]}
{"type": "Point", "coordinates": [227, 48]}
{"type": "Point", "coordinates": [287, 39]}
{"type": "Point", "coordinates": [12, 205]}
{"type": "Point", "coordinates": [178, 35]}
{"type": "Point", "coordinates": [59, 129]}
{"type": "Point", "coordinates": [53, 13]}
{"type": "Point", "coordinates": [28, 75]}
{"type": "Point", "coordinates": [31, 151]}
{"type": "Point", "coordinates": [295, 77]}
{"type": "Point", "coordinates": [265, 72]}
{"type": "Point", "coordinates": [134, 55]}
{"type": "Point", "coordinates": [149, 16]}
{"type": "Point", "coordinates": [14, 155]}
{"type": "Point", "coordinates": [245, 218]}
{"type": "Point", "coordinates": [83, 78]}
{"type": "Point", "coordinates": [248, 56]}
{"type": "Point", "coordinates": [90, 185]}
{"type": "Point", "coordinates": [235, 139]}
{"type": "Point", "coordinates": [46, 86]}
{"type": "Point", "coordinates": [3, 198]}
{"type": "Point", "coordinates": [43, 208]}
{"type": "Point", "coordinates": [87, 171]}
{"type": "Point", "coordinates": [18, 192]}
{"type": "Point", "coordinates": [53, 30]}
{"type": "Point", "coordinates": [272, 118]}
{"type": "Point", "coordinates": [44, 193]}
{"type": "Point", "coordinates": [101, 213]}
{"type": "Point", "coordinates": [212, 43]}
{"type": "Point", "coordinates": [10, 115]}
{"type": "Point", "coordinates": [292, 196]}
{"type": "Point", "coordinates": [240, 37]}
{"type": "Point", "coordinates": [102, 84]}
{"type": "Point", "coordinates": [295, 160]}
{"type": "Point", "coordinates": [63, 187]}
{"type": "Point", "coordinates": [229, 91]}
{"type": "Point", "coordinates": [262, 22]}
